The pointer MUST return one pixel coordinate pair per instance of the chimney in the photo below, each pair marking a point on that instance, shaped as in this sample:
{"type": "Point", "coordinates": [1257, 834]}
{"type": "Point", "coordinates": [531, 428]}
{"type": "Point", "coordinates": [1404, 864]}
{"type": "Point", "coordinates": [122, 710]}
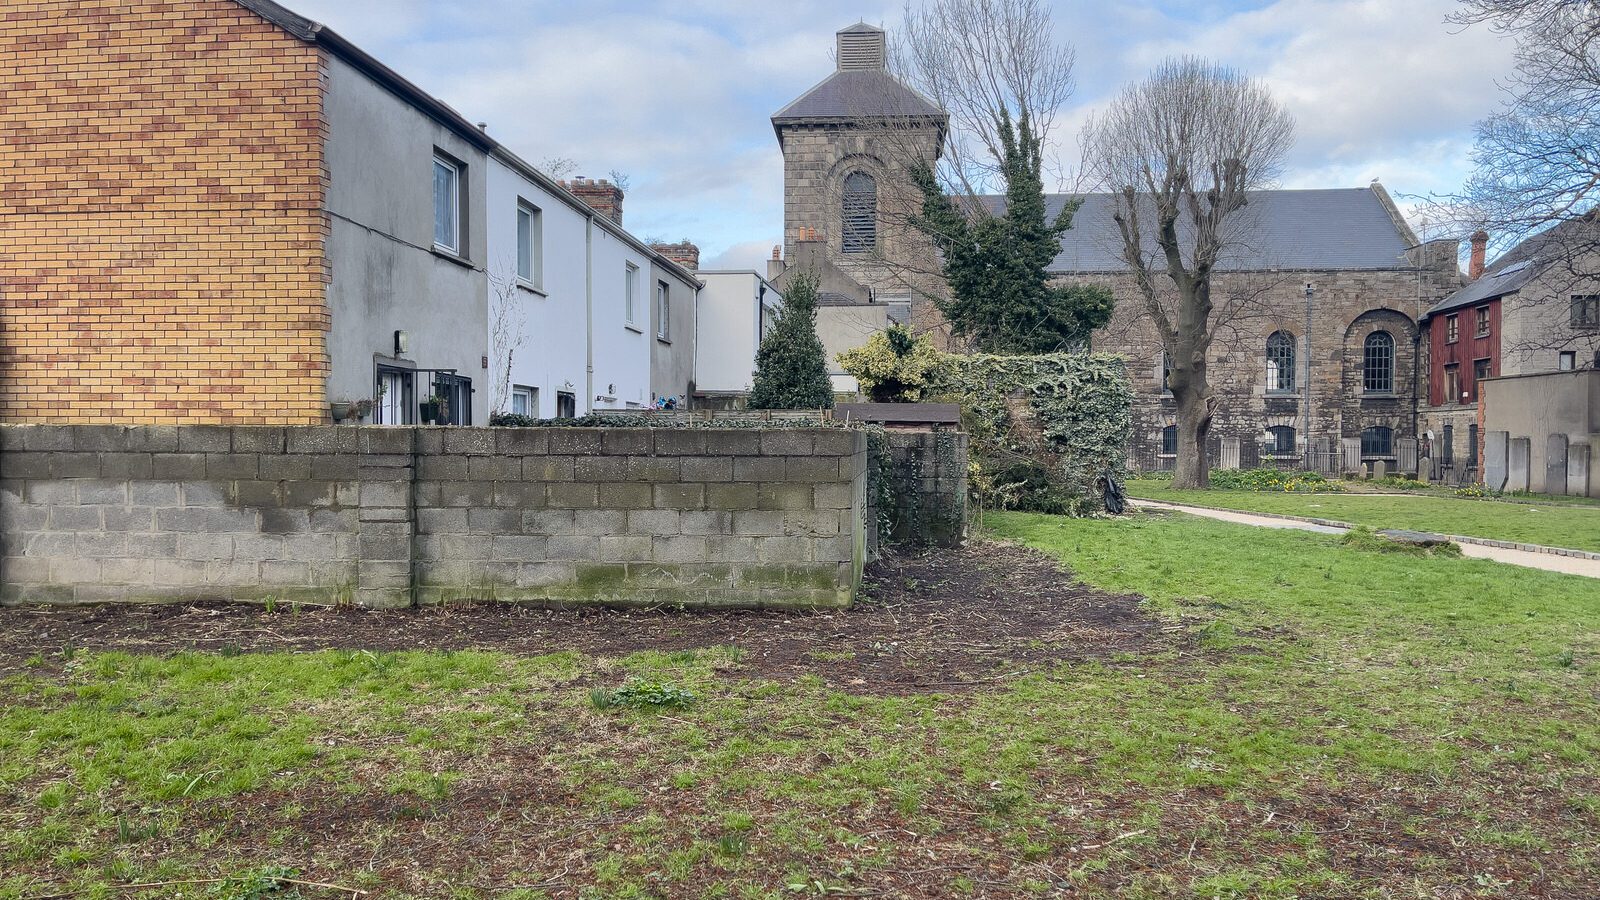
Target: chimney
{"type": "Point", "coordinates": [862, 48]}
{"type": "Point", "coordinates": [683, 253]}
{"type": "Point", "coordinates": [601, 195]}
{"type": "Point", "coordinates": [1480, 247]}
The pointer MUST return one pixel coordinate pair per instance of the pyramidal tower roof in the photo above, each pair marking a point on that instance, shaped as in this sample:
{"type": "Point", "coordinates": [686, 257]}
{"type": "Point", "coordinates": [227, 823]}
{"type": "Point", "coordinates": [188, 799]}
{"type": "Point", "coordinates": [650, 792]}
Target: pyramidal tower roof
{"type": "Point", "coordinates": [860, 87]}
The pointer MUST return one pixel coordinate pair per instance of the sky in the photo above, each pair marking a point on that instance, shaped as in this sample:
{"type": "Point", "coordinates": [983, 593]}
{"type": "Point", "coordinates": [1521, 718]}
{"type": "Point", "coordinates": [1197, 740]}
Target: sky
{"type": "Point", "coordinates": [678, 95]}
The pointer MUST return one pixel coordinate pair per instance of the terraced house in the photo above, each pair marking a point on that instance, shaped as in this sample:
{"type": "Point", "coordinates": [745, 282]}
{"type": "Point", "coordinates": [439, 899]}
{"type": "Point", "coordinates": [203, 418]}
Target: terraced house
{"type": "Point", "coordinates": [220, 211]}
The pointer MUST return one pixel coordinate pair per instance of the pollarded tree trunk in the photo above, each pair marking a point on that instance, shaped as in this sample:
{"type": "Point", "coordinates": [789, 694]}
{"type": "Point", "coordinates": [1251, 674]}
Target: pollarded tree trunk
{"type": "Point", "coordinates": [1191, 388]}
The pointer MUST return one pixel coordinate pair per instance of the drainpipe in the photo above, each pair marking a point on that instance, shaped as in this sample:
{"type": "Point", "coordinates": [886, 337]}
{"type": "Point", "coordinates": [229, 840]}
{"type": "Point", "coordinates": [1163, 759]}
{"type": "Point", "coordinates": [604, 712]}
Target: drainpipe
{"type": "Point", "coordinates": [1306, 459]}
{"type": "Point", "coordinates": [588, 312]}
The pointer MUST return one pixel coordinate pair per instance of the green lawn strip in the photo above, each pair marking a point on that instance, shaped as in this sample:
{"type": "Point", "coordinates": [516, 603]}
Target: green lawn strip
{"type": "Point", "coordinates": [1328, 697]}
{"type": "Point", "coordinates": [1571, 526]}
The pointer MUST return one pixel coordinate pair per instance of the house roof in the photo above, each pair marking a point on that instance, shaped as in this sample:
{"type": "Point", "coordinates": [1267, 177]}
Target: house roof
{"type": "Point", "coordinates": [1516, 267]}
{"type": "Point", "coordinates": [858, 94]}
{"type": "Point", "coordinates": [1313, 230]}
{"type": "Point", "coordinates": [315, 32]}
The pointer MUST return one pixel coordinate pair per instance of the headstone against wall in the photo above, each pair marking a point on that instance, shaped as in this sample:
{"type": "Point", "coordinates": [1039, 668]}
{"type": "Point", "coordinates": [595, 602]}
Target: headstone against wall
{"type": "Point", "coordinates": [1380, 469]}
{"type": "Point", "coordinates": [1578, 482]}
{"type": "Point", "coordinates": [1351, 449]}
{"type": "Point", "coordinates": [1519, 461]}
{"type": "Point", "coordinates": [1230, 453]}
{"type": "Point", "coordinates": [1405, 452]}
{"type": "Point", "coordinates": [1555, 464]}
{"type": "Point", "coordinates": [1425, 469]}
{"type": "Point", "coordinates": [1495, 451]}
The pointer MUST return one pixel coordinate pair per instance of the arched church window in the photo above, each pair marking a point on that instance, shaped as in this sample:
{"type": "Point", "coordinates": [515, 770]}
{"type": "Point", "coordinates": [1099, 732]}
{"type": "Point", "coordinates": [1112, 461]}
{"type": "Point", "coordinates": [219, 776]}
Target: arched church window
{"type": "Point", "coordinates": [1378, 363]}
{"type": "Point", "coordinates": [1280, 363]}
{"type": "Point", "coordinates": [860, 213]}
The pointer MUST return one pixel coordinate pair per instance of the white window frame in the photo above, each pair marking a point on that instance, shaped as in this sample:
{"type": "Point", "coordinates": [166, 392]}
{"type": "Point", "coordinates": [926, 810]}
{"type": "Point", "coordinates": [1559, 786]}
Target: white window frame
{"type": "Point", "coordinates": [630, 294]}
{"type": "Point", "coordinates": [530, 246]}
{"type": "Point", "coordinates": [453, 208]}
{"type": "Point", "coordinates": [1566, 361]}
{"type": "Point", "coordinates": [530, 396]}
{"type": "Point", "coordinates": [663, 312]}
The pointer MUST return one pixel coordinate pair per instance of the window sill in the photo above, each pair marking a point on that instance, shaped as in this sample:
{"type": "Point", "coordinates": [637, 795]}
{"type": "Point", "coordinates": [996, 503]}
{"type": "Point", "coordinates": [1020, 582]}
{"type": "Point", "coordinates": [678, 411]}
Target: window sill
{"type": "Point", "coordinates": [662, 340]}
{"type": "Point", "coordinates": [1379, 395]}
{"type": "Point", "coordinates": [633, 328]}
{"type": "Point", "coordinates": [449, 256]}
{"type": "Point", "coordinates": [537, 292]}
{"type": "Point", "coordinates": [1283, 395]}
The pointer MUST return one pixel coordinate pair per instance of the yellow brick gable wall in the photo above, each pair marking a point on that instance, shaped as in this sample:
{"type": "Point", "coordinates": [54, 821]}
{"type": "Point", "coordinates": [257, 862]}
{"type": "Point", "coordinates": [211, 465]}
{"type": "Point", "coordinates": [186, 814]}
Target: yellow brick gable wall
{"type": "Point", "coordinates": [162, 234]}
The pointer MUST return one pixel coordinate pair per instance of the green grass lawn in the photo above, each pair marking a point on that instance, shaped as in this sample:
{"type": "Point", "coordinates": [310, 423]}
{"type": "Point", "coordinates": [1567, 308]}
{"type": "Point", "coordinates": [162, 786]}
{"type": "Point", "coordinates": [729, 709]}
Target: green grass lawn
{"type": "Point", "coordinates": [1328, 722]}
{"type": "Point", "coordinates": [1572, 526]}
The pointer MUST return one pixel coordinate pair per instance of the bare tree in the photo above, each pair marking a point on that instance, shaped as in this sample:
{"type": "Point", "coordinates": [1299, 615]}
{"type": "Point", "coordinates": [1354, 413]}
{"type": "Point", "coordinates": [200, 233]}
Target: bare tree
{"type": "Point", "coordinates": [975, 59]}
{"type": "Point", "coordinates": [508, 330]}
{"type": "Point", "coordinates": [558, 167]}
{"type": "Point", "coordinates": [1180, 152]}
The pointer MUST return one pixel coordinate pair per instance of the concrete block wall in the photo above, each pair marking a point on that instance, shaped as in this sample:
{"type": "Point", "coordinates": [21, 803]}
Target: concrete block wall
{"type": "Point", "coordinates": [389, 517]}
{"type": "Point", "coordinates": [927, 491]}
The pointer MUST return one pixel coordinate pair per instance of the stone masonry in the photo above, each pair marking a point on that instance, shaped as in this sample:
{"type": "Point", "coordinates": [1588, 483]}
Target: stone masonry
{"type": "Point", "coordinates": [393, 517]}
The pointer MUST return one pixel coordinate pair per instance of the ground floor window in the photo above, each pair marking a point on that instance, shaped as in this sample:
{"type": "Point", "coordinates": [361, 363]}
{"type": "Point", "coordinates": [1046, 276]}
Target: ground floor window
{"type": "Point", "coordinates": [524, 400]}
{"type": "Point", "coordinates": [396, 389]}
{"type": "Point", "coordinates": [1567, 360]}
{"type": "Point", "coordinates": [1472, 446]}
{"type": "Point", "coordinates": [1169, 440]}
{"type": "Point", "coordinates": [1377, 441]}
{"type": "Point", "coordinates": [1280, 440]}
{"type": "Point", "coordinates": [566, 405]}
{"type": "Point", "coordinates": [1447, 449]}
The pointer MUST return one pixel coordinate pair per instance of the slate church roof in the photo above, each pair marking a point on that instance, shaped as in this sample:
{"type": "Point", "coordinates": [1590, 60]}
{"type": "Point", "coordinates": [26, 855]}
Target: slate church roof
{"type": "Point", "coordinates": [1311, 230]}
{"type": "Point", "coordinates": [860, 88]}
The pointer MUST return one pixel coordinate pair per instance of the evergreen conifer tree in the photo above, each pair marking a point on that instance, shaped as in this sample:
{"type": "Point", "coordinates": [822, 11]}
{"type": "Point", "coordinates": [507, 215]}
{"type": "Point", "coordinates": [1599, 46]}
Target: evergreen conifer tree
{"type": "Point", "coordinates": [791, 370]}
{"type": "Point", "coordinates": [1001, 297]}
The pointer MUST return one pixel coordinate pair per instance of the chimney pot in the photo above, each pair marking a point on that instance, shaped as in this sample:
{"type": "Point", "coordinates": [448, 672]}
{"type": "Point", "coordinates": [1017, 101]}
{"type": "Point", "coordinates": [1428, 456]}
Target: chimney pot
{"type": "Point", "coordinates": [777, 251]}
{"type": "Point", "coordinates": [1480, 249]}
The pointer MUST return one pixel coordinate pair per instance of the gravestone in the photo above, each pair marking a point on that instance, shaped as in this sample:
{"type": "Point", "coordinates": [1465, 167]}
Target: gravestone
{"type": "Point", "coordinates": [1555, 464]}
{"type": "Point", "coordinates": [1380, 469]}
{"type": "Point", "coordinates": [1494, 459]}
{"type": "Point", "coordinates": [1519, 460]}
{"type": "Point", "coordinates": [1578, 470]}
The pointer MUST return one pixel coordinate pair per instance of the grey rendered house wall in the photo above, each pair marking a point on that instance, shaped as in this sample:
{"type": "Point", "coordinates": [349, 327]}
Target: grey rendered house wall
{"type": "Point", "coordinates": [672, 360]}
{"type": "Point", "coordinates": [386, 277]}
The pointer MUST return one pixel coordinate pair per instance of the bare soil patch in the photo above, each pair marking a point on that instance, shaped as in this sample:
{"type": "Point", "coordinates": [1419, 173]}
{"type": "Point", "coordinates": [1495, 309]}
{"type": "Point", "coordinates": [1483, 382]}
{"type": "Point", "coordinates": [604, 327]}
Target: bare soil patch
{"type": "Point", "coordinates": [935, 620]}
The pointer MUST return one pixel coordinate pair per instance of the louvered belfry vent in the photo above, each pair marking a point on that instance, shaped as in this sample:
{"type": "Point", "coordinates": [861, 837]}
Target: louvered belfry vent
{"type": "Point", "coordinates": [862, 48]}
{"type": "Point", "coordinates": [860, 213]}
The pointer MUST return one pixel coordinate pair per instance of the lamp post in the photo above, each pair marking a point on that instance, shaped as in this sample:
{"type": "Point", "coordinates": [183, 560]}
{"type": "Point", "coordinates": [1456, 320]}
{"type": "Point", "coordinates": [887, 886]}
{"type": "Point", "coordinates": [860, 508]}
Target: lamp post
{"type": "Point", "coordinates": [1305, 404]}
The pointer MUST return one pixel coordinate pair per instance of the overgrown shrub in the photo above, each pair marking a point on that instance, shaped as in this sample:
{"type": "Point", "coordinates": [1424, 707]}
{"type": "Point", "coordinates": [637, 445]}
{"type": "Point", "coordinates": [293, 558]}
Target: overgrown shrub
{"type": "Point", "coordinates": [1273, 480]}
{"type": "Point", "coordinates": [893, 366]}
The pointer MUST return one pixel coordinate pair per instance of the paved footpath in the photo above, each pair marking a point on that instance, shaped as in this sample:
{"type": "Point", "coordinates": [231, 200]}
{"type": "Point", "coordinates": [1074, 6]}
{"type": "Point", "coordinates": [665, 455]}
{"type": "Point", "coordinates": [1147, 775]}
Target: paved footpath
{"type": "Point", "coordinates": [1549, 562]}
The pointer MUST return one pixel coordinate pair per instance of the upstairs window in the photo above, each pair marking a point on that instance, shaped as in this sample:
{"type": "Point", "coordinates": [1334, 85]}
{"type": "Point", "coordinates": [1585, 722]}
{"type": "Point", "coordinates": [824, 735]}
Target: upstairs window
{"type": "Point", "coordinates": [1586, 311]}
{"type": "Point", "coordinates": [447, 205]}
{"type": "Point", "coordinates": [663, 311]}
{"type": "Point", "coordinates": [1452, 384]}
{"type": "Point", "coordinates": [1481, 369]}
{"type": "Point", "coordinates": [1567, 360]}
{"type": "Point", "coordinates": [1482, 314]}
{"type": "Point", "coordinates": [1280, 363]}
{"type": "Point", "coordinates": [630, 293]}
{"type": "Point", "coordinates": [860, 213]}
{"type": "Point", "coordinates": [530, 245]}
{"type": "Point", "coordinates": [1378, 363]}
{"type": "Point", "coordinates": [1452, 329]}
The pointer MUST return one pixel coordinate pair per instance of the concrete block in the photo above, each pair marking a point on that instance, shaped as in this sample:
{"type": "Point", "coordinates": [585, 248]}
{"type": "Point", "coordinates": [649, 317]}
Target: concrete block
{"type": "Point", "coordinates": [467, 494]}
{"type": "Point", "coordinates": [601, 468]}
{"type": "Point", "coordinates": [521, 441]}
{"type": "Point", "coordinates": [835, 549]}
{"type": "Point", "coordinates": [787, 442]}
{"type": "Point", "coordinates": [386, 441]}
{"type": "Point", "coordinates": [126, 465]}
{"type": "Point", "coordinates": [75, 465]}
{"type": "Point", "coordinates": [204, 547]}
{"type": "Point", "coordinates": [259, 439]}
{"type": "Point", "coordinates": [75, 518]}
{"type": "Point", "coordinates": [441, 521]}
{"type": "Point", "coordinates": [783, 550]}
{"type": "Point", "coordinates": [324, 440]}
{"type": "Point", "coordinates": [785, 496]}
{"type": "Point", "coordinates": [22, 464]}
{"type": "Point", "coordinates": [178, 466]}
{"type": "Point", "coordinates": [129, 518]}
{"type": "Point", "coordinates": [379, 574]}
{"type": "Point", "coordinates": [596, 522]}
{"type": "Point", "coordinates": [99, 492]}
{"type": "Point", "coordinates": [203, 494]}
{"type": "Point", "coordinates": [494, 468]}
{"type": "Point", "coordinates": [680, 442]}
{"type": "Point", "coordinates": [102, 546]}
{"type": "Point", "coordinates": [625, 495]}
{"type": "Point", "coordinates": [575, 441]}
{"type": "Point", "coordinates": [575, 495]}
{"type": "Point", "coordinates": [383, 467]}
{"type": "Point", "coordinates": [626, 548]}
{"type": "Point", "coordinates": [227, 466]}
{"type": "Point", "coordinates": [548, 521]}
{"type": "Point", "coordinates": [758, 523]}
{"type": "Point", "coordinates": [152, 439]}
{"type": "Point", "coordinates": [325, 521]}
{"type": "Point", "coordinates": [653, 521]}
{"type": "Point", "coordinates": [284, 468]}
{"type": "Point", "coordinates": [811, 524]}
{"type": "Point", "coordinates": [704, 522]}
{"type": "Point", "coordinates": [285, 521]}
{"type": "Point", "coordinates": [654, 469]}
{"type": "Point", "coordinates": [627, 441]}
{"type": "Point", "coordinates": [257, 546]}
{"type": "Point", "coordinates": [679, 496]}
{"type": "Point", "coordinates": [303, 494]}
{"type": "Point", "coordinates": [839, 442]}
{"type": "Point", "coordinates": [205, 439]}
{"type": "Point", "coordinates": [376, 514]}
{"type": "Point", "coordinates": [232, 521]}
{"type": "Point", "coordinates": [520, 495]}
{"type": "Point", "coordinates": [430, 440]}
{"type": "Point", "coordinates": [473, 441]}
{"type": "Point", "coordinates": [385, 493]}
{"type": "Point", "coordinates": [465, 547]}
{"type": "Point", "coordinates": [730, 548]}
{"type": "Point", "coordinates": [573, 547]}
{"type": "Point", "coordinates": [284, 573]}
{"type": "Point", "coordinates": [155, 546]}
{"type": "Point", "coordinates": [255, 494]}
{"type": "Point", "coordinates": [682, 549]}
{"type": "Point", "coordinates": [495, 521]}
{"type": "Point", "coordinates": [547, 468]}
{"type": "Point", "coordinates": [811, 468]}
{"type": "Point", "coordinates": [154, 493]}
{"type": "Point", "coordinates": [335, 466]}
{"type": "Point", "coordinates": [833, 496]}
{"type": "Point", "coordinates": [707, 469]}
{"type": "Point", "coordinates": [759, 469]}
{"type": "Point", "coordinates": [36, 569]}
{"type": "Point", "coordinates": [732, 441]}
{"type": "Point", "coordinates": [541, 574]}
{"type": "Point", "coordinates": [45, 437]}
{"type": "Point", "coordinates": [19, 517]}
{"type": "Point", "coordinates": [51, 492]}
{"type": "Point", "coordinates": [519, 547]}
{"type": "Point", "coordinates": [732, 496]}
{"type": "Point", "coordinates": [441, 468]}
{"type": "Point", "coordinates": [49, 545]}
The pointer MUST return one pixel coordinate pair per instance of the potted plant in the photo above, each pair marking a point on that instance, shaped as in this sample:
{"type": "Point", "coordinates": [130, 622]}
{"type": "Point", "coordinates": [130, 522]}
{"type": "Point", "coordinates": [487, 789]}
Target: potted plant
{"type": "Point", "coordinates": [431, 409]}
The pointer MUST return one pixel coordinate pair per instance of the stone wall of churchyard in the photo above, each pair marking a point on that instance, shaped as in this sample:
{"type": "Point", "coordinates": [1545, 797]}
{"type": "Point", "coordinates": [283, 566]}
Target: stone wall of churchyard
{"type": "Point", "coordinates": [917, 489]}
{"type": "Point", "coordinates": [393, 517]}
